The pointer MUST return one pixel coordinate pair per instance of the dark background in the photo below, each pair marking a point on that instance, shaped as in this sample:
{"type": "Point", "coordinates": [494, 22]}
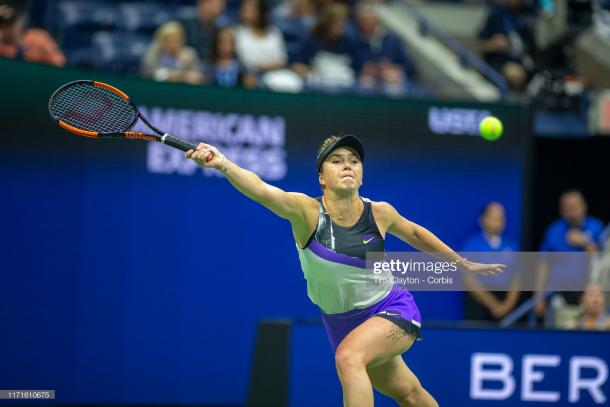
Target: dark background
{"type": "Point", "coordinates": [561, 164]}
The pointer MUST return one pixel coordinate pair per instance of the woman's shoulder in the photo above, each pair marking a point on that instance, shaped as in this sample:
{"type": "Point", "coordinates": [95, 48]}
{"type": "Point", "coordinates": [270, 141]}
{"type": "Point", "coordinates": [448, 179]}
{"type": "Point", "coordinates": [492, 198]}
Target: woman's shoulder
{"type": "Point", "coordinates": [382, 210]}
{"type": "Point", "coordinates": [379, 205]}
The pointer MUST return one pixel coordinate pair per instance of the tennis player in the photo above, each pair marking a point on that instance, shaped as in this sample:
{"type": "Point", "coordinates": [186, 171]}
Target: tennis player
{"type": "Point", "coordinates": [368, 328]}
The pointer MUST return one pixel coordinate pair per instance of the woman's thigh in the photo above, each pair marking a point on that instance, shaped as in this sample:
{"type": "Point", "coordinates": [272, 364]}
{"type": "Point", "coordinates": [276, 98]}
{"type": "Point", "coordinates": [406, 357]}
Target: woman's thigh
{"type": "Point", "coordinates": [376, 341]}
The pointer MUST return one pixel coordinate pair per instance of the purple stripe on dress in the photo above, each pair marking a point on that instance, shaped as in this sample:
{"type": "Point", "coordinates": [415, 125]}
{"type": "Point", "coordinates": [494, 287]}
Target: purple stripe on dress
{"type": "Point", "coordinates": [324, 252]}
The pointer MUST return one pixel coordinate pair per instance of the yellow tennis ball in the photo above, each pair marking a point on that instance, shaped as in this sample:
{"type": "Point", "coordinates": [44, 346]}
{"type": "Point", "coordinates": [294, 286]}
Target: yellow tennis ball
{"type": "Point", "coordinates": [491, 128]}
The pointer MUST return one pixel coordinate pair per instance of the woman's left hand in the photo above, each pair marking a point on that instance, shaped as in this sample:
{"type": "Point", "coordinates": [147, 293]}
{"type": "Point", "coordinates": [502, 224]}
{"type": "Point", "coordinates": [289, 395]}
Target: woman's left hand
{"type": "Point", "coordinates": [482, 268]}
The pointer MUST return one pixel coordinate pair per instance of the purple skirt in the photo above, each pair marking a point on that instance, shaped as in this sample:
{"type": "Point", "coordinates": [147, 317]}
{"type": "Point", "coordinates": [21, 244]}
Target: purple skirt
{"type": "Point", "coordinates": [398, 306]}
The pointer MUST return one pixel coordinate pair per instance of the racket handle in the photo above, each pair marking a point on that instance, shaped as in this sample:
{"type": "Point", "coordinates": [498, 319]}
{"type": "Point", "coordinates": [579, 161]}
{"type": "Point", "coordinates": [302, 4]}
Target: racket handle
{"type": "Point", "coordinates": [177, 143]}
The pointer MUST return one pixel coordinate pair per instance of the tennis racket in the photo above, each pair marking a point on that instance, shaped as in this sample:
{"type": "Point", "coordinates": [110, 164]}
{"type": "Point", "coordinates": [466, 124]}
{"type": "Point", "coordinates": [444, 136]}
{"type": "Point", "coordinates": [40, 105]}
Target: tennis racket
{"type": "Point", "coordinates": [96, 109]}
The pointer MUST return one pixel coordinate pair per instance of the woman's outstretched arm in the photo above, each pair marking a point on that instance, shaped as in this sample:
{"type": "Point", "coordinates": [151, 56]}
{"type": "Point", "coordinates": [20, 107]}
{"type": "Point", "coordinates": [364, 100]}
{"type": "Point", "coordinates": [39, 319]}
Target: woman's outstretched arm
{"type": "Point", "coordinates": [425, 241]}
{"type": "Point", "coordinates": [287, 205]}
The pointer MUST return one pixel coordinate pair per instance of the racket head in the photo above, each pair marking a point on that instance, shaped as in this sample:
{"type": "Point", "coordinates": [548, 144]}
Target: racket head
{"type": "Point", "coordinates": [92, 109]}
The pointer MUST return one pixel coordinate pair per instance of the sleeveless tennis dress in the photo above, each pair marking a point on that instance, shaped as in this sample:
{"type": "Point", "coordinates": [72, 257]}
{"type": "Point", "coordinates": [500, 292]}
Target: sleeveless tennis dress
{"type": "Point", "coordinates": [338, 282]}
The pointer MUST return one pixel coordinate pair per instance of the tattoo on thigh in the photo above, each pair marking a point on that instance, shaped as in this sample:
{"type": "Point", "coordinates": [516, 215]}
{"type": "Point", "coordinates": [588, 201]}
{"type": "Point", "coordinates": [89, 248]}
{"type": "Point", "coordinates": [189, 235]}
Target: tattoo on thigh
{"type": "Point", "coordinates": [396, 333]}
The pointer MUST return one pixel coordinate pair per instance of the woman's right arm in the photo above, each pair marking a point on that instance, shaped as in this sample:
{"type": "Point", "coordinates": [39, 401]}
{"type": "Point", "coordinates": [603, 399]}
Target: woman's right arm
{"type": "Point", "coordinates": [288, 205]}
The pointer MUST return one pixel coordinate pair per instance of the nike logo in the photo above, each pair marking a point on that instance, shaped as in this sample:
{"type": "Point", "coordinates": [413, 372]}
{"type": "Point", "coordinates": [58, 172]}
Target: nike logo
{"type": "Point", "coordinates": [367, 240]}
{"type": "Point", "coordinates": [390, 313]}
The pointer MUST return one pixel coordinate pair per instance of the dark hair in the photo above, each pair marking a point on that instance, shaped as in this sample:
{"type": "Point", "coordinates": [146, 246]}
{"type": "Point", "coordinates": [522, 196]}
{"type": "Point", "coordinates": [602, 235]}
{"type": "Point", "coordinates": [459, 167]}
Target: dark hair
{"type": "Point", "coordinates": [571, 191]}
{"type": "Point", "coordinates": [215, 38]}
{"type": "Point", "coordinates": [485, 207]}
{"type": "Point", "coordinates": [329, 140]}
{"type": "Point", "coordinates": [261, 7]}
{"type": "Point", "coordinates": [329, 16]}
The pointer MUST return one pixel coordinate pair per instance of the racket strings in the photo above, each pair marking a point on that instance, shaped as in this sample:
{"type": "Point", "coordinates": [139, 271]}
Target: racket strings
{"type": "Point", "coordinates": [87, 107]}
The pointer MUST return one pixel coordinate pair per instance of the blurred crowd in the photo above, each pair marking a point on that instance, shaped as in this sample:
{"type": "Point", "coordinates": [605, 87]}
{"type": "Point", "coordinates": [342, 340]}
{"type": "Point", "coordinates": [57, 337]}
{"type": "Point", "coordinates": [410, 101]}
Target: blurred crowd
{"type": "Point", "coordinates": [574, 231]}
{"type": "Point", "coordinates": [532, 43]}
{"type": "Point", "coordinates": [288, 45]}
{"type": "Point", "coordinates": [31, 44]}
{"type": "Point", "coordinates": [298, 44]}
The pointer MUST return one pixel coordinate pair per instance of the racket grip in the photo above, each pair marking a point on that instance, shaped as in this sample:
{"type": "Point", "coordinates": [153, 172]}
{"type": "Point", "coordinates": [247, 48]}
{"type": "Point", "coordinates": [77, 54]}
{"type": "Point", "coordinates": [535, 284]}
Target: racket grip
{"type": "Point", "coordinates": [177, 143]}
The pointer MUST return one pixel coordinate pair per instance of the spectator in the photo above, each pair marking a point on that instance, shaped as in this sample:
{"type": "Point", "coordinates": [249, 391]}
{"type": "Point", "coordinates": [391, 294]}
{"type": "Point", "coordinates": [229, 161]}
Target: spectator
{"type": "Point", "coordinates": [507, 41]}
{"type": "Point", "coordinates": [260, 46]}
{"type": "Point", "coordinates": [295, 18]}
{"type": "Point", "coordinates": [31, 44]}
{"type": "Point", "coordinates": [381, 60]}
{"type": "Point", "coordinates": [575, 231]}
{"type": "Point", "coordinates": [225, 69]}
{"type": "Point", "coordinates": [301, 11]}
{"type": "Point", "coordinates": [593, 315]}
{"type": "Point", "coordinates": [201, 29]}
{"type": "Point", "coordinates": [169, 59]}
{"type": "Point", "coordinates": [480, 303]}
{"type": "Point", "coordinates": [328, 56]}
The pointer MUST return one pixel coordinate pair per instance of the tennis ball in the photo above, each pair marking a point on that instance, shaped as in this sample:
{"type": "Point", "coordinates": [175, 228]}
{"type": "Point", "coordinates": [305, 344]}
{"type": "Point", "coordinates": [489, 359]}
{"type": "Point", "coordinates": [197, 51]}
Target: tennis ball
{"type": "Point", "coordinates": [491, 128]}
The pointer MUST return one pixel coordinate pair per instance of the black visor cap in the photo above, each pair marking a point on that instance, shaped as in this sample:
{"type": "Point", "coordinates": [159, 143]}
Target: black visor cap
{"type": "Point", "coordinates": [345, 141]}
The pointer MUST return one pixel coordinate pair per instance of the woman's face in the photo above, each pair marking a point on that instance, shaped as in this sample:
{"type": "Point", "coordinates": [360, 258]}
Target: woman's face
{"type": "Point", "coordinates": [248, 12]}
{"type": "Point", "coordinates": [209, 10]}
{"type": "Point", "coordinates": [593, 300]}
{"type": "Point", "coordinates": [493, 220]}
{"type": "Point", "coordinates": [336, 30]}
{"type": "Point", "coordinates": [342, 170]}
{"type": "Point", "coordinates": [172, 42]}
{"type": "Point", "coordinates": [367, 22]}
{"type": "Point", "coordinates": [226, 47]}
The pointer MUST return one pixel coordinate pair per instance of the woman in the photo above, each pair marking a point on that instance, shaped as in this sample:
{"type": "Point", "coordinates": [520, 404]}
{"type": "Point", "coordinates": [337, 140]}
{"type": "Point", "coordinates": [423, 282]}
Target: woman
{"type": "Point", "coordinates": [328, 56]}
{"type": "Point", "coordinates": [225, 70]}
{"type": "Point", "coordinates": [368, 329]}
{"type": "Point", "coordinates": [260, 46]}
{"type": "Point", "coordinates": [481, 303]}
{"type": "Point", "coordinates": [169, 59]}
{"type": "Point", "coordinates": [593, 316]}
